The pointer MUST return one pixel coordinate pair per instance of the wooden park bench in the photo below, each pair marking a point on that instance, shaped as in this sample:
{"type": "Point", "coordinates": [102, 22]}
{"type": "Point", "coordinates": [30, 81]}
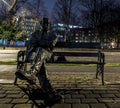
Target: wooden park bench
{"type": "Point", "coordinates": [93, 52]}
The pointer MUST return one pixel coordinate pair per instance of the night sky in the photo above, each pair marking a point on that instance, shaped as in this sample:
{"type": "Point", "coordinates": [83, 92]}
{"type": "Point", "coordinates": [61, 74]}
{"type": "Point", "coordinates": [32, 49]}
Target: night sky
{"type": "Point", "coordinates": [49, 4]}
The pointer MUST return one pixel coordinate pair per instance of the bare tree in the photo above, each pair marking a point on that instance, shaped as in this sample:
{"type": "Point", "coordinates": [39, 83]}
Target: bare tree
{"type": "Point", "coordinates": [112, 24]}
{"type": "Point", "coordinates": [39, 8]}
{"type": "Point", "coordinates": [34, 8]}
{"type": "Point", "coordinates": [14, 5]}
{"type": "Point", "coordinates": [3, 11]}
{"type": "Point", "coordinates": [65, 11]}
{"type": "Point", "coordinates": [10, 7]}
{"type": "Point", "coordinates": [97, 13]}
{"type": "Point", "coordinates": [92, 11]}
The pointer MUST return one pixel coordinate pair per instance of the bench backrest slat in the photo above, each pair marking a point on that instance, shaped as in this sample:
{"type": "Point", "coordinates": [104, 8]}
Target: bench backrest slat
{"type": "Point", "coordinates": [78, 45]}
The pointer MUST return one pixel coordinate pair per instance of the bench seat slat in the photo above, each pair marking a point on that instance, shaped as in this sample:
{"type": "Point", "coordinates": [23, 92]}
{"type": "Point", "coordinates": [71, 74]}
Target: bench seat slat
{"type": "Point", "coordinates": [79, 62]}
{"type": "Point", "coordinates": [83, 54]}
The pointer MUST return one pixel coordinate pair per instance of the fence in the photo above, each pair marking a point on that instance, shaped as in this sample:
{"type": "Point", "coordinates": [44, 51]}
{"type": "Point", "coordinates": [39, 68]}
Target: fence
{"type": "Point", "coordinates": [5, 42]}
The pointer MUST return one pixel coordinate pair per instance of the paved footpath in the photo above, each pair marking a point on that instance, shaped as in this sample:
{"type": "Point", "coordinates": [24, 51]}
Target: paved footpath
{"type": "Point", "coordinates": [78, 91]}
{"type": "Point", "coordinates": [78, 87]}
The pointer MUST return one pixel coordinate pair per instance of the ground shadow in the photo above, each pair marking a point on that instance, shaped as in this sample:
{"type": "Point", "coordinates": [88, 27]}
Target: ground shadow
{"type": "Point", "coordinates": [37, 96]}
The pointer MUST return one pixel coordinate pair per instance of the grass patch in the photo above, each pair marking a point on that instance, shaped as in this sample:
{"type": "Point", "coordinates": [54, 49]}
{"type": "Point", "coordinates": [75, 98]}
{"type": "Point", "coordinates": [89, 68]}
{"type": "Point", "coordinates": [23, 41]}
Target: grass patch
{"type": "Point", "coordinates": [63, 64]}
{"type": "Point", "coordinates": [112, 64]}
{"type": "Point", "coordinates": [67, 64]}
{"type": "Point", "coordinates": [8, 63]}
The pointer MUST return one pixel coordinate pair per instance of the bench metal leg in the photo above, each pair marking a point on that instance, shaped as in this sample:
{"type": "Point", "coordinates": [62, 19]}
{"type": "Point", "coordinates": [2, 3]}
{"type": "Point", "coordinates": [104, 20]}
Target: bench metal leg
{"type": "Point", "coordinates": [15, 82]}
{"type": "Point", "coordinates": [100, 71]}
{"type": "Point", "coordinates": [21, 64]}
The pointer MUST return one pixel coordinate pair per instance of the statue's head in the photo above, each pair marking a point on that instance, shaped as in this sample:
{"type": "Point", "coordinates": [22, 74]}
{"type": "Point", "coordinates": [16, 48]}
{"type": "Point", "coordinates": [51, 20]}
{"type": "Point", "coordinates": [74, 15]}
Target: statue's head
{"type": "Point", "coordinates": [45, 24]}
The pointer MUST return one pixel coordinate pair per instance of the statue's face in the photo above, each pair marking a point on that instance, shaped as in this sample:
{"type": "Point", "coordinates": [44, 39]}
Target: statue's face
{"type": "Point", "coordinates": [46, 24]}
{"type": "Point", "coordinates": [46, 27]}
